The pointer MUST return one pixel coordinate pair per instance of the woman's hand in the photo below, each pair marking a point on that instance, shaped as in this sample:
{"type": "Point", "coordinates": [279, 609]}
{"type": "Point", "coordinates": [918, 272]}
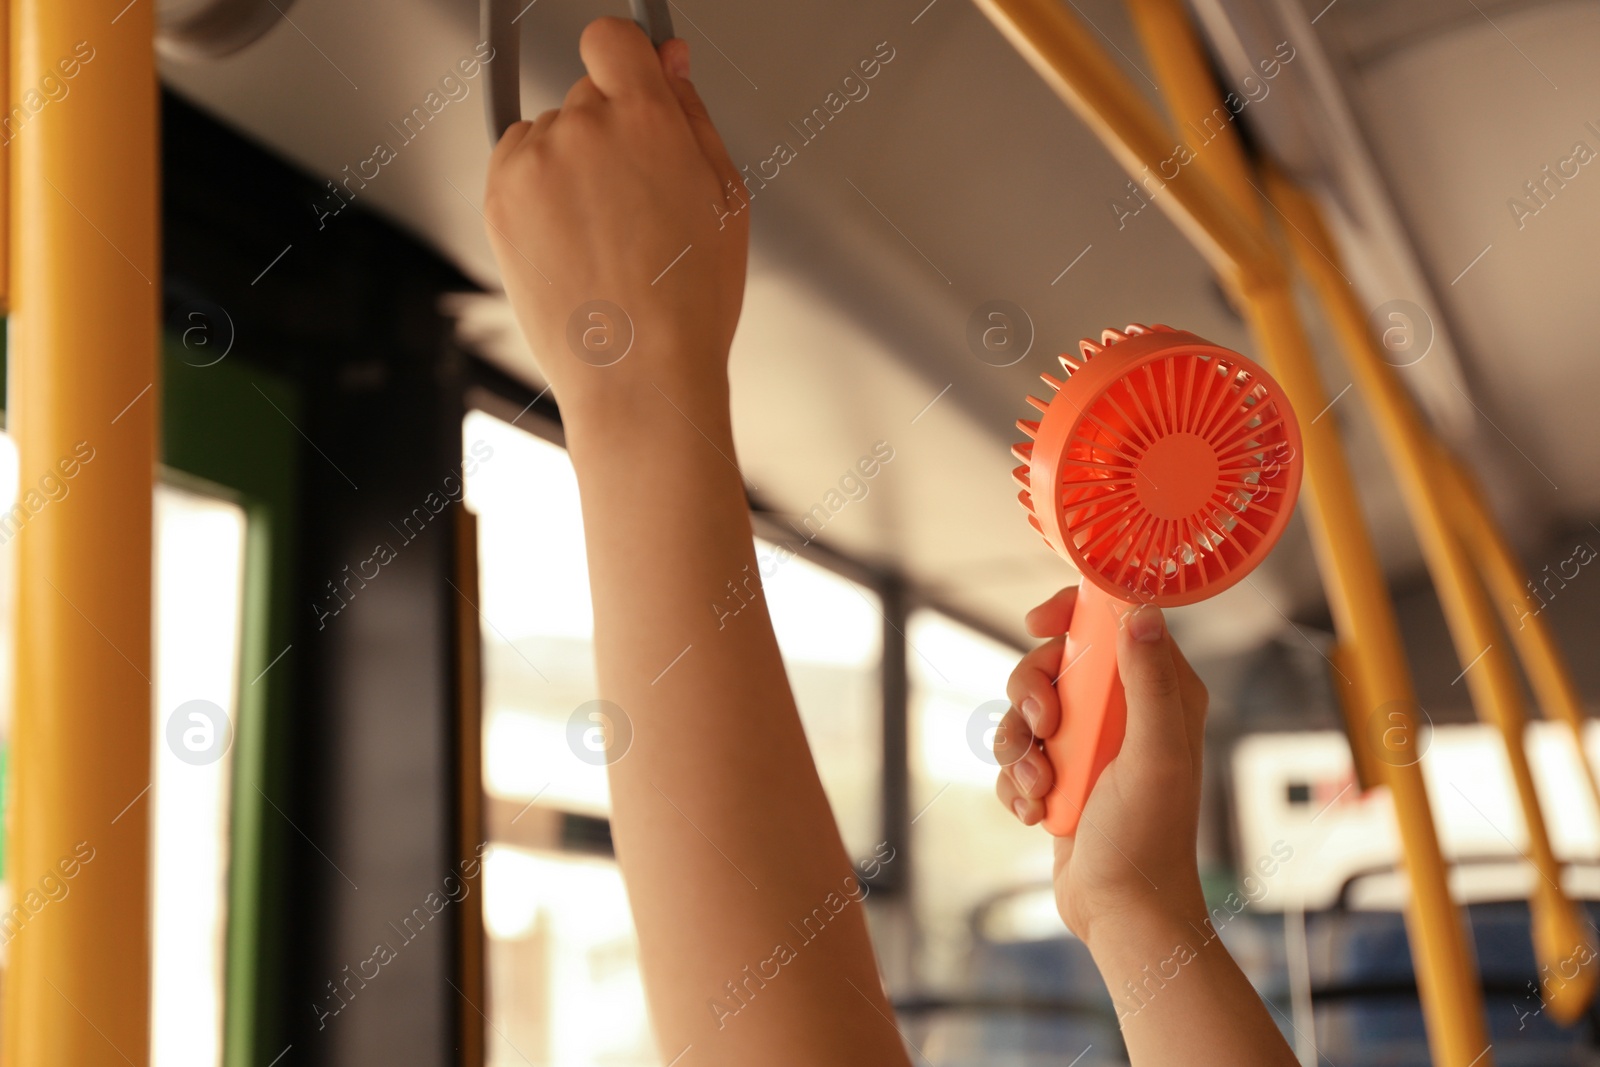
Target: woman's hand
{"type": "Point", "coordinates": [619, 228]}
{"type": "Point", "coordinates": [1133, 858]}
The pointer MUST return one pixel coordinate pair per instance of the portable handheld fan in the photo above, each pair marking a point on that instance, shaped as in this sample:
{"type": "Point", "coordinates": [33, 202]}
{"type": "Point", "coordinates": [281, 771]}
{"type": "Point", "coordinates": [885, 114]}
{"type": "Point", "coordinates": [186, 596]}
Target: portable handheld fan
{"type": "Point", "coordinates": [1164, 468]}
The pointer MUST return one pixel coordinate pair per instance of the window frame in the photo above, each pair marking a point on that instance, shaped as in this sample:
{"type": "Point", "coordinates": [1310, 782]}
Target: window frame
{"type": "Point", "coordinates": [217, 437]}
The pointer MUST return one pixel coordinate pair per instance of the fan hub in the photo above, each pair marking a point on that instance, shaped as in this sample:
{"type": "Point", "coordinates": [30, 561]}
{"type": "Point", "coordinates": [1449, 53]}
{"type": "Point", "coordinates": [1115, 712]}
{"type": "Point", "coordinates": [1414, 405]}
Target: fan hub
{"type": "Point", "coordinates": [1177, 475]}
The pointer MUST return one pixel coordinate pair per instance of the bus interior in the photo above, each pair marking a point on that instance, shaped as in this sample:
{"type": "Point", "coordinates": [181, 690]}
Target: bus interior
{"type": "Point", "coordinates": [367, 578]}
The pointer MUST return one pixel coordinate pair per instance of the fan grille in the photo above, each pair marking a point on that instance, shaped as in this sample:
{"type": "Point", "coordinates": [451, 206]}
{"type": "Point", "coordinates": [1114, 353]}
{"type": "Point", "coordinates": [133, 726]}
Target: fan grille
{"type": "Point", "coordinates": [1174, 467]}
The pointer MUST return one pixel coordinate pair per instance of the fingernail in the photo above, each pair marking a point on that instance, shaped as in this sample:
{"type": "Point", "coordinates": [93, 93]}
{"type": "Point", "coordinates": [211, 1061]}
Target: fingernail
{"type": "Point", "coordinates": [1020, 806]}
{"type": "Point", "coordinates": [1031, 710]}
{"type": "Point", "coordinates": [679, 60]}
{"type": "Point", "coordinates": [1027, 774]}
{"type": "Point", "coordinates": [1146, 624]}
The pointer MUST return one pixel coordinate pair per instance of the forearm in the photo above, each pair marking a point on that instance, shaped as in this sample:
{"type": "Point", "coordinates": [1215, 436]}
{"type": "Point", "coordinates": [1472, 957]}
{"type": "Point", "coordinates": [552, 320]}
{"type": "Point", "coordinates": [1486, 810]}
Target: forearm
{"type": "Point", "coordinates": [721, 825]}
{"type": "Point", "coordinates": [1180, 997]}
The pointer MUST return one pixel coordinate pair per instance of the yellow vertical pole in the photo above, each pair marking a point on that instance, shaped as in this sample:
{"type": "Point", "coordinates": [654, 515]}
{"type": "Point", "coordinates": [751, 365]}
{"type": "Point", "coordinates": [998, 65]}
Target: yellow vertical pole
{"type": "Point", "coordinates": [1560, 939]}
{"type": "Point", "coordinates": [1447, 973]}
{"type": "Point", "coordinates": [1520, 610]}
{"type": "Point", "coordinates": [1357, 592]}
{"type": "Point", "coordinates": [83, 406]}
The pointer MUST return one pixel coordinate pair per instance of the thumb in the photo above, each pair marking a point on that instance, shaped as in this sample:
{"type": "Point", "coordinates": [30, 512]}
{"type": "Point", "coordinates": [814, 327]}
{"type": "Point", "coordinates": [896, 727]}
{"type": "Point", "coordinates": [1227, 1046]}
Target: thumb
{"type": "Point", "coordinates": [619, 59]}
{"type": "Point", "coordinates": [675, 61]}
{"type": "Point", "coordinates": [1157, 737]}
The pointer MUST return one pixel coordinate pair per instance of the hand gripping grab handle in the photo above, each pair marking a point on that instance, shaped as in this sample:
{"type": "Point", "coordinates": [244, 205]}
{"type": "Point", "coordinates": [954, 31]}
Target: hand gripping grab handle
{"type": "Point", "coordinates": [502, 98]}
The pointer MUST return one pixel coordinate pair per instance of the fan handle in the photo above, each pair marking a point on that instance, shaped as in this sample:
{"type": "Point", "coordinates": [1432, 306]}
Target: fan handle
{"type": "Point", "coordinates": [1094, 708]}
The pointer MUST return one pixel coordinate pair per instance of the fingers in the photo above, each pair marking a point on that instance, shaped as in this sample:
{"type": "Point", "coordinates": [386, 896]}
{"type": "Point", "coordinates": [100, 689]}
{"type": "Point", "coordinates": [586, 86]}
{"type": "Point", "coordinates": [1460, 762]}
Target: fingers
{"type": "Point", "coordinates": [1054, 615]}
{"type": "Point", "coordinates": [1012, 741]}
{"type": "Point", "coordinates": [583, 94]}
{"type": "Point", "coordinates": [1028, 810]}
{"type": "Point", "coordinates": [542, 122]}
{"type": "Point", "coordinates": [620, 59]}
{"type": "Point", "coordinates": [1158, 736]}
{"type": "Point", "coordinates": [1166, 705]}
{"type": "Point", "coordinates": [1022, 763]}
{"type": "Point", "coordinates": [694, 109]}
{"type": "Point", "coordinates": [675, 58]}
{"type": "Point", "coordinates": [515, 134]}
{"type": "Point", "coordinates": [1026, 776]}
{"type": "Point", "coordinates": [1032, 690]}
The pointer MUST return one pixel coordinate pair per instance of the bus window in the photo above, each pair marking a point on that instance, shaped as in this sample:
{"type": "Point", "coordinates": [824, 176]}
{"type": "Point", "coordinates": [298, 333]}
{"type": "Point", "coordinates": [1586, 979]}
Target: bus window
{"type": "Point", "coordinates": [968, 850]}
{"type": "Point", "coordinates": [830, 631]}
{"type": "Point", "coordinates": [1299, 788]}
{"type": "Point", "coordinates": [563, 965]}
{"type": "Point", "coordinates": [561, 944]}
{"type": "Point", "coordinates": [199, 593]}
{"type": "Point", "coordinates": [538, 656]}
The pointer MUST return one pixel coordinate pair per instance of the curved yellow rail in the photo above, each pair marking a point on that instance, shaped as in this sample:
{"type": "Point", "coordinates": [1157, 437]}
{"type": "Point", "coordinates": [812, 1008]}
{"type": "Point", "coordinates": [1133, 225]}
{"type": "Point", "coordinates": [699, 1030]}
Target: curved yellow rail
{"type": "Point", "coordinates": [1536, 646]}
{"type": "Point", "coordinates": [1562, 941]}
{"type": "Point", "coordinates": [1066, 56]}
{"type": "Point", "coordinates": [1213, 194]}
{"type": "Point", "coordinates": [1358, 593]}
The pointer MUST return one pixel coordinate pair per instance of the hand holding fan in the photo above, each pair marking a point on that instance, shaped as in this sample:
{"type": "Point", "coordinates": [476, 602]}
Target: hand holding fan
{"type": "Point", "coordinates": [1164, 468]}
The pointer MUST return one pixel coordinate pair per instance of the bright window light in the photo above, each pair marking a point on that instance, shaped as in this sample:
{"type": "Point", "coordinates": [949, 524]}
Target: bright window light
{"type": "Point", "coordinates": [537, 619]}
{"type": "Point", "coordinates": [955, 670]}
{"type": "Point", "coordinates": [820, 617]}
{"type": "Point", "coordinates": [565, 966]}
{"type": "Point", "coordinates": [199, 583]}
{"type": "Point", "coordinates": [968, 850]}
{"type": "Point", "coordinates": [830, 632]}
{"type": "Point", "coordinates": [531, 533]}
{"type": "Point", "coordinates": [10, 479]}
{"type": "Point", "coordinates": [538, 623]}
{"type": "Point", "coordinates": [1299, 788]}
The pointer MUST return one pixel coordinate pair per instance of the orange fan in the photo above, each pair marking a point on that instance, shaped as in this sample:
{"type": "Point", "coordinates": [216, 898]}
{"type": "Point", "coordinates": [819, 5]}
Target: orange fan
{"type": "Point", "coordinates": [1164, 469]}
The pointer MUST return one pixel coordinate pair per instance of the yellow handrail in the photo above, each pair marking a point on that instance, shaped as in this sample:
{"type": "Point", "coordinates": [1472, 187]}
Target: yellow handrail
{"type": "Point", "coordinates": [1560, 939]}
{"type": "Point", "coordinates": [83, 407]}
{"type": "Point", "coordinates": [1536, 646]}
{"type": "Point", "coordinates": [1070, 61]}
{"type": "Point", "coordinates": [1447, 974]}
{"type": "Point", "coordinates": [1062, 51]}
{"type": "Point", "coordinates": [1358, 593]}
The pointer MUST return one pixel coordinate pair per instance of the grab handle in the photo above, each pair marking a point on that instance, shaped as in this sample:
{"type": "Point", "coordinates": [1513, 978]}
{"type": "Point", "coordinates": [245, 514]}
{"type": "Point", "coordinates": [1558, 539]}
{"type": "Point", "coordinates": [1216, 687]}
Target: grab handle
{"type": "Point", "coordinates": [502, 98]}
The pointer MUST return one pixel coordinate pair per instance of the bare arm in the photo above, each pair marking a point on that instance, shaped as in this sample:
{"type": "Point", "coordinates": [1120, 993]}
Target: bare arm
{"type": "Point", "coordinates": [753, 940]}
{"type": "Point", "coordinates": [1128, 885]}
